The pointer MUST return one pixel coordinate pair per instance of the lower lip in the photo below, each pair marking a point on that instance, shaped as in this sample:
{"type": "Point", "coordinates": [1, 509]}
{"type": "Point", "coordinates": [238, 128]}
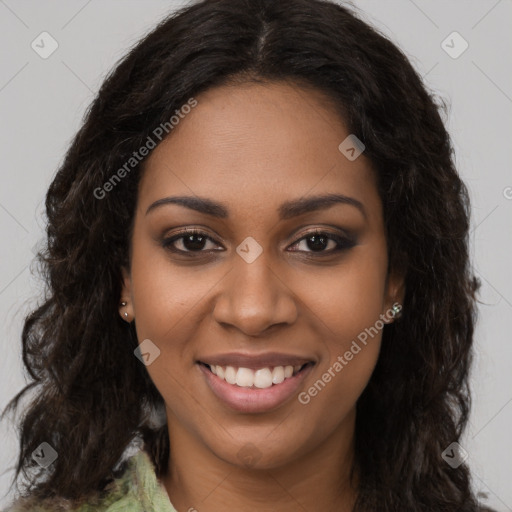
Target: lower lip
{"type": "Point", "coordinates": [252, 400]}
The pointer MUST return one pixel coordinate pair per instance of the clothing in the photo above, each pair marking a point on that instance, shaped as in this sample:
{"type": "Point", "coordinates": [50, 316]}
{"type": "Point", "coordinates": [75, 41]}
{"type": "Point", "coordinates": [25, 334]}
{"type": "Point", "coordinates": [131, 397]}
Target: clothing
{"type": "Point", "coordinates": [136, 490]}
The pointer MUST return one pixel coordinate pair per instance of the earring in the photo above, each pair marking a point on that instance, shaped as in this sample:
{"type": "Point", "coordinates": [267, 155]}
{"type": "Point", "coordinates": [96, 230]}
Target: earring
{"type": "Point", "coordinates": [396, 310]}
{"type": "Point", "coordinates": [123, 304]}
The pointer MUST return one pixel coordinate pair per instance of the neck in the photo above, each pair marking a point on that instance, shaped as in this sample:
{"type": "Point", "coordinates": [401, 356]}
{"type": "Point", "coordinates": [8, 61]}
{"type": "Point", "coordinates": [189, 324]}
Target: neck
{"type": "Point", "coordinates": [316, 480]}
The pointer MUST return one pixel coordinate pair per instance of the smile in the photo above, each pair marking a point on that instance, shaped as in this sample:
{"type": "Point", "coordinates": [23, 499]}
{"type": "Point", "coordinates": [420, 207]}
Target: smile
{"type": "Point", "coordinates": [261, 378]}
{"type": "Point", "coordinates": [254, 390]}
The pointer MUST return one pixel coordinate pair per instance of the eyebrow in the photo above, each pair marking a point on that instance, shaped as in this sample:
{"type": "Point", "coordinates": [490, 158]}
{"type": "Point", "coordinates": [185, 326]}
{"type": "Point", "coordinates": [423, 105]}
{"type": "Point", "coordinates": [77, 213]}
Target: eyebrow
{"type": "Point", "coordinates": [286, 211]}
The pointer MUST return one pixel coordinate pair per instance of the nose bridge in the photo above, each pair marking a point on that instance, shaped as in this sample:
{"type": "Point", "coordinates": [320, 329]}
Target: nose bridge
{"type": "Point", "coordinates": [254, 296]}
{"type": "Point", "coordinates": [254, 277]}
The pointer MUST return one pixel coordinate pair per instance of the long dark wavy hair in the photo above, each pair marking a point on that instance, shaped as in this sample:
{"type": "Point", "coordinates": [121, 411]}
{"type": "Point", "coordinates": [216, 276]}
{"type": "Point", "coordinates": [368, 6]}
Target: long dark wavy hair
{"type": "Point", "coordinates": [91, 396]}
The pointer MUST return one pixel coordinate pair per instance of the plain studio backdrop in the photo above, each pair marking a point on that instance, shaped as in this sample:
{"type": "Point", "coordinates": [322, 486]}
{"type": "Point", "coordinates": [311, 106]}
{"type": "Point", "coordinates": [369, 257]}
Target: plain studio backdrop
{"type": "Point", "coordinates": [462, 49]}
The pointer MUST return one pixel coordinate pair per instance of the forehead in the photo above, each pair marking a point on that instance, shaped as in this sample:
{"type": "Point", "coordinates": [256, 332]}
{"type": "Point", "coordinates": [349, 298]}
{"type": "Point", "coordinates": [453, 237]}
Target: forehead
{"type": "Point", "coordinates": [254, 147]}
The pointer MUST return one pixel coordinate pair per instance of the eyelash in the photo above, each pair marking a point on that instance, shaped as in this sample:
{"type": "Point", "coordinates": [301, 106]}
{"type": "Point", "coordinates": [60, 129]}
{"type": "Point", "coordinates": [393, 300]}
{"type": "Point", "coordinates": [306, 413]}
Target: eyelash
{"type": "Point", "coordinates": [344, 243]}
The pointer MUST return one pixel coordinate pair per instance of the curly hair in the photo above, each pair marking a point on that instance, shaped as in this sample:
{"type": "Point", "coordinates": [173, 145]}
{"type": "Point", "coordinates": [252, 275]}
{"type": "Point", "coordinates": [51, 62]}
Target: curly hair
{"type": "Point", "coordinates": [93, 396]}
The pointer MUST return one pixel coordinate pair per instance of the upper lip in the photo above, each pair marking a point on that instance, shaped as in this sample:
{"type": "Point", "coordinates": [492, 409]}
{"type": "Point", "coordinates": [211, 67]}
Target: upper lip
{"type": "Point", "coordinates": [255, 361]}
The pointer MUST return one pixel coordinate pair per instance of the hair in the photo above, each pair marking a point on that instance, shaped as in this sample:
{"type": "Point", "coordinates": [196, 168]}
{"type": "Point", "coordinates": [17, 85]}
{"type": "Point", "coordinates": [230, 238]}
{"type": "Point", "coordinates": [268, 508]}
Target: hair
{"type": "Point", "coordinates": [93, 396]}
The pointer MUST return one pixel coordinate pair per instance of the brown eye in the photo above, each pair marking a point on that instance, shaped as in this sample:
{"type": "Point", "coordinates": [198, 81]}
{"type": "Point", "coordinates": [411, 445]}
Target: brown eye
{"type": "Point", "coordinates": [196, 241]}
{"type": "Point", "coordinates": [318, 241]}
{"type": "Point", "coordinates": [191, 240]}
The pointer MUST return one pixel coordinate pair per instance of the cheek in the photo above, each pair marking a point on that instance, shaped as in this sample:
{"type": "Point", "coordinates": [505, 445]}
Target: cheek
{"type": "Point", "coordinates": [168, 301]}
{"type": "Point", "coordinates": [168, 305]}
{"type": "Point", "coordinates": [346, 299]}
{"type": "Point", "coordinates": [166, 297]}
{"type": "Point", "coordinates": [347, 307]}
{"type": "Point", "coordinates": [351, 349]}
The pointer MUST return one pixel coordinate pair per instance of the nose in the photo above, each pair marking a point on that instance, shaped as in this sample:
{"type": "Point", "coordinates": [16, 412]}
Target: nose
{"type": "Point", "coordinates": [254, 298]}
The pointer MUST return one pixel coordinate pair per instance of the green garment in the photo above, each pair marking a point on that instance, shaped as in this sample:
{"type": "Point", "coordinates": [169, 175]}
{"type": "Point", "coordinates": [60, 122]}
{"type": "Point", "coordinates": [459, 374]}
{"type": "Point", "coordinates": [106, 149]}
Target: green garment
{"type": "Point", "coordinates": [137, 490]}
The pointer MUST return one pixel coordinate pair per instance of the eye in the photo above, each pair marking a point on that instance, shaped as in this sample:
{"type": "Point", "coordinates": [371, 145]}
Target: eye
{"type": "Point", "coordinates": [193, 240]}
{"type": "Point", "coordinates": [318, 241]}
{"type": "Point", "coordinates": [196, 241]}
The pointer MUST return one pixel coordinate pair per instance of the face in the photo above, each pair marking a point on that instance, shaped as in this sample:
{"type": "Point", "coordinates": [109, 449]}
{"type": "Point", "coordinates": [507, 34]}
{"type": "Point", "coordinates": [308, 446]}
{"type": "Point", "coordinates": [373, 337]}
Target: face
{"type": "Point", "coordinates": [271, 279]}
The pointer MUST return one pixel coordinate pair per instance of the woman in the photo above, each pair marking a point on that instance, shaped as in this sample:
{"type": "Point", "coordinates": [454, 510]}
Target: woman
{"type": "Point", "coordinates": [259, 234]}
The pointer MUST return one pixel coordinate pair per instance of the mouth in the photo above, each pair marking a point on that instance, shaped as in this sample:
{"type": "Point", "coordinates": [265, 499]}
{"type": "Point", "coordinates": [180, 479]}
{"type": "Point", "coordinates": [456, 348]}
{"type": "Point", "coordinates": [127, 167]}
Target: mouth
{"type": "Point", "coordinates": [258, 389]}
{"type": "Point", "coordinates": [259, 378]}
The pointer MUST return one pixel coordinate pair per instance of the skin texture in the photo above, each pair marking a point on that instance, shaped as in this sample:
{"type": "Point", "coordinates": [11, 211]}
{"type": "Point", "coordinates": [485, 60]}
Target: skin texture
{"type": "Point", "coordinates": [253, 147]}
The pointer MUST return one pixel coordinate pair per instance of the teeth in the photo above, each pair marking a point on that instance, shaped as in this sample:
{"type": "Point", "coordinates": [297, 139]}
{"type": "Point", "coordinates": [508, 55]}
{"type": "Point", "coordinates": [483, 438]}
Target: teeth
{"type": "Point", "coordinates": [262, 378]}
{"type": "Point", "coordinates": [278, 375]}
{"type": "Point", "coordinates": [244, 377]}
{"type": "Point", "coordinates": [230, 375]}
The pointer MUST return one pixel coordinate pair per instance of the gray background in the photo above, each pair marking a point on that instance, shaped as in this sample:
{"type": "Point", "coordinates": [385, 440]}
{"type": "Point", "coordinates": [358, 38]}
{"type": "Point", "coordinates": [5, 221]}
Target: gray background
{"type": "Point", "coordinates": [42, 102]}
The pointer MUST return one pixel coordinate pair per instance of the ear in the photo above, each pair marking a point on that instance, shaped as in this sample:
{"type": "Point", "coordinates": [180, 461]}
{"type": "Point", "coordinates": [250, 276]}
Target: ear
{"type": "Point", "coordinates": [126, 301]}
{"type": "Point", "coordinates": [395, 291]}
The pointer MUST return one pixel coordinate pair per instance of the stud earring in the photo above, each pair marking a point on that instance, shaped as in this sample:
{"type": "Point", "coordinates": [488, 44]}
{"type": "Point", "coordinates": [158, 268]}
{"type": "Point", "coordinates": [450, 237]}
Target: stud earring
{"type": "Point", "coordinates": [123, 304]}
{"type": "Point", "coordinates": [396, 310]}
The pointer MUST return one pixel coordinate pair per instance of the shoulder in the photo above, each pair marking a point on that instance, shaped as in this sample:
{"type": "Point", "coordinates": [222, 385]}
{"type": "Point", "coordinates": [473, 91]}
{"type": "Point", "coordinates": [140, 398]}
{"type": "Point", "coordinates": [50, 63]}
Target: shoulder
{"type": "Point", "coordinates": [136, 490]}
